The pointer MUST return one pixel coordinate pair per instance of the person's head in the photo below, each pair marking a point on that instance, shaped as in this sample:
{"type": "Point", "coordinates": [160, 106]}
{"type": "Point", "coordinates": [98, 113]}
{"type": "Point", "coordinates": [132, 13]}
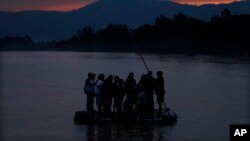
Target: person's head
{"type": "Point", "coordinates": [117, 78]}
{"type": "Point", "coordinates": [110, 78]}
{"type": "Point", "coordinates": [101, 76]}
{"type": "Point", "coordinates": [89, 75]}
{"type": "Point", "coordinates": [93, 76]}
{"type": "Point", "coordinates": [131, 75]}
{"type": "Point", "coordinates": [159, 73]}
{"type": "Point", "coordinates": [150, 73]}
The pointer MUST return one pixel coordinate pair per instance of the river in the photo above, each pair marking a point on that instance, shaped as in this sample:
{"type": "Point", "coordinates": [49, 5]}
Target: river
{"type": "Point", "coordinates": [40, 91]}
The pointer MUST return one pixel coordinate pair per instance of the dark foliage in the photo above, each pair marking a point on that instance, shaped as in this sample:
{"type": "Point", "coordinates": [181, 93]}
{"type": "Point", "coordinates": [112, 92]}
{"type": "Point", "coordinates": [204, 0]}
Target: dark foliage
{"type": "Point", "coordinates": [224, 34]}
{"type": "Point", "coordinates": [15, 43]}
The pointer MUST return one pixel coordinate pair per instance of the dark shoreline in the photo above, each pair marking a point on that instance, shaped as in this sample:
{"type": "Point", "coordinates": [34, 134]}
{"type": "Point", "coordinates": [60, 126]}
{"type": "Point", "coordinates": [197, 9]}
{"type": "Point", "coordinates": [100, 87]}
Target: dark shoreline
{"type": "Point", "coordinates": [224, 35]}
{"type": "Point", "coordinates": [145, 53]}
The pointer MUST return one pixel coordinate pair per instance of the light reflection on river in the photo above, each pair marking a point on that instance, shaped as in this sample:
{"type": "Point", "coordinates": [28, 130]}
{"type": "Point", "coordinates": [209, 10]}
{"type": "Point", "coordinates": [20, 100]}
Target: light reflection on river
{"type": "Point", "coordinates": [42, 90]}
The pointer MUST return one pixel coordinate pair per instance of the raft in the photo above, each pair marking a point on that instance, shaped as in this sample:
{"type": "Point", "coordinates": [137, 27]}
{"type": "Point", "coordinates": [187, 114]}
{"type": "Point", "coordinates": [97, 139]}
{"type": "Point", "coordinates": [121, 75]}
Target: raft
{"type": "Point", "coordinates": [84, 117]}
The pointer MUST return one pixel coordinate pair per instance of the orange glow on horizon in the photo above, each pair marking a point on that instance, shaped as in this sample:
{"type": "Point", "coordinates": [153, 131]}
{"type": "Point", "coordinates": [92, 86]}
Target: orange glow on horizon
{"type": "Point", "coordinates": [73, 6]}
{"type": "Point", "coordinates": [66, 7]}
{"type": "Point", "coordinates": [202, 2]}
{"type": "Point", "coordinates": [70, 5]}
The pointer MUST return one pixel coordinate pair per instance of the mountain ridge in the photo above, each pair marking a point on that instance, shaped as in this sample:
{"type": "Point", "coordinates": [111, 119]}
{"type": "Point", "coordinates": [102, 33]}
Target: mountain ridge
{"type": "Point", "coordinates": [56, 25]}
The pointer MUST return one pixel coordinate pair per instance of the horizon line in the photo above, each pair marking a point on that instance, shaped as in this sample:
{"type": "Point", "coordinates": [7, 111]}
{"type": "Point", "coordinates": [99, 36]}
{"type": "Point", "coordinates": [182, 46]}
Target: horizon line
{"type": "Point", "coordinates": [73, 7]}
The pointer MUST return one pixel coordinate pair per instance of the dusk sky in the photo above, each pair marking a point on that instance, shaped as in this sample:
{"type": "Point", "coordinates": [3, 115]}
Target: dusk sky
{"type": "Point", "coordinates": [67, 5]}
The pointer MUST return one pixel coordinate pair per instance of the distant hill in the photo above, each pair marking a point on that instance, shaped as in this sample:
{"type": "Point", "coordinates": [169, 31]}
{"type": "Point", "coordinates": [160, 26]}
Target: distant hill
{"type": "Point", "coordinates": [52, 25]}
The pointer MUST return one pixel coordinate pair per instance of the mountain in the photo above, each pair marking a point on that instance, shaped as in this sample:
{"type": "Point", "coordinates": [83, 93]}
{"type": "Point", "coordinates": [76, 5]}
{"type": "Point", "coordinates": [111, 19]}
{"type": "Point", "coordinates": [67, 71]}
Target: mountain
{"type": "Point", "coordinates": [52, 25]}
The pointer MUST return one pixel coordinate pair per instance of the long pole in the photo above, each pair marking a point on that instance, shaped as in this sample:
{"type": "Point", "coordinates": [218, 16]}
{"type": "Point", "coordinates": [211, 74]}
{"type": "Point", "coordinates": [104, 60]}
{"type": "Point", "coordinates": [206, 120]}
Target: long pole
{"type": "Point", "coordinates": [138, 50]}
{"type": "Point", "coordinates": [144, 62]}
{"type": "Point", "coordinates": [167, 110]}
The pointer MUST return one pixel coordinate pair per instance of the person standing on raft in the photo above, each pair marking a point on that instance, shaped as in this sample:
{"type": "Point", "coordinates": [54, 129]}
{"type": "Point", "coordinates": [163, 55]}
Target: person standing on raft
{"type": "Point", "coordinates": [118, 94]}
{"type": "Point", "coordinates": [130, 90]}
{"type": "Point", "coordinates": [149, 91]}
{"type": "Point", "coordinates": [159, 90]}
{"type": "Point", "coordinates": [107, 94]}
{"type": "Point", "coordinates": [89, 90]}
{"type": "Point", "coordinates": [99, 92]}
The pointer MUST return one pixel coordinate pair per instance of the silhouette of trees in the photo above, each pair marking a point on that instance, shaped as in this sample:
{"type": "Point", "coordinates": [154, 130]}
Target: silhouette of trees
{"type": "Point", "coordinates": [85, 34]}
{"type": "Point", "coordinates": [145, 33]}
{"type": "Point", "coordinates": [223, 34]}
{"type": "Point", "coordinates": [164, 26]}
{"type": "Point", "coordinates": [15, 43]}
{"type": "Point", "coordinates": [114, 34]}
{"type": "Point", "coordinates": [226, 13]}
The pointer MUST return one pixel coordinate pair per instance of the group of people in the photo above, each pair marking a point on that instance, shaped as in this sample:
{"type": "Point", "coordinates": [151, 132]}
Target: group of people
{"type": "Point", "coordinates": [110, 93]}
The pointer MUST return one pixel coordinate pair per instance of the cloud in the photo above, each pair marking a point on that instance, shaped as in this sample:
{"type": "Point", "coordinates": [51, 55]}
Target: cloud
{"type": "Point", "coordinates": [61, 5]}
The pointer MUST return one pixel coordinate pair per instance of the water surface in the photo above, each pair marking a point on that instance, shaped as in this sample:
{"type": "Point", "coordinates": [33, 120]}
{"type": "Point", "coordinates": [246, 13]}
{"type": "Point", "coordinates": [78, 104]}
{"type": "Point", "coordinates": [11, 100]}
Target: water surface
{"type": "Point", "coordinates": [42, 90]}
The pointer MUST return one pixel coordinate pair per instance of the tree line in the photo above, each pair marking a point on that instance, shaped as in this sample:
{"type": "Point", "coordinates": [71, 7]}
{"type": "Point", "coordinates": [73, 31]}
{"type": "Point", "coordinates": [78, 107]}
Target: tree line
{"type": "Point", "coordinates": [223, 34]}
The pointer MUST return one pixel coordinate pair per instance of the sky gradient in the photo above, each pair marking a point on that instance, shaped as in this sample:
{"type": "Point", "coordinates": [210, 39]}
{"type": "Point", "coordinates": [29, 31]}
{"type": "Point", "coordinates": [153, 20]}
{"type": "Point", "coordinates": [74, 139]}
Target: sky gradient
{"type": "Point", "coordinates": [200, 2]}
{"type": "Point", "coordinates": [67, 5]}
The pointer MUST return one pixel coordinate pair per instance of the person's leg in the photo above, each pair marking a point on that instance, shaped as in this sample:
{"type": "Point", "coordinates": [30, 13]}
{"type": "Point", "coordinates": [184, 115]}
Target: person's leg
{"type": "Point", "coordinates": [160, 102]}
{"type": "Point", "coordinates": [115, 105]}
{"type": "Point", "coordinates": [151, 102]}
{"type": "Point", "coordinates": [125, 106]}
{"type": "Point", "coordinates": [110, 104]}
{"type": "Point", "coordinates": [99, 106]}
{"type": "Point", "coordinates": [119, 107]}
{"type": "Point", "coordinates": [88, 103]}
{"type": "Point", "coordinates": [129, 103]}
{"type": "Point", "coordinates": [160, 106]}
{"type": "Point", "coordinates": [105, 108]}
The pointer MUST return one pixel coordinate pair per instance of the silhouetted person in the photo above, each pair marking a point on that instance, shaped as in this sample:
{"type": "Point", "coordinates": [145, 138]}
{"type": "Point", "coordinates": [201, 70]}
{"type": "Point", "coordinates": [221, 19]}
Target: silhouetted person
{"type": "Point", "coordinates": [121, 96]}
{"type": "Point", "coordinates": [99, 92]}
{"type": "Point", "coordinates": [89, 90]}
{"type": "Point", "coordinates": [159, 89]}
{"type": "Point", "coordinates": [108, 93]}
{"type": "Point", "coordinates": [115, 91]}
{"type": "Point", "coordinates": [130, 90]}
{"type": "Point", "coordinates": [149, 90]}
{"type": "Point", "coordinates": [118, 94]}
{"type": "Point", "coordinates": [141, 101]}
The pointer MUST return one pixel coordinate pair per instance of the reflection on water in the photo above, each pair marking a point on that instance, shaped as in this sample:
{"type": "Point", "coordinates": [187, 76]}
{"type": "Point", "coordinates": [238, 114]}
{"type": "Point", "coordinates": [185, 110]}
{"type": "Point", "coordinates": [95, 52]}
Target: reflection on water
{"type": "Point", "coordinates": [108, 132]}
